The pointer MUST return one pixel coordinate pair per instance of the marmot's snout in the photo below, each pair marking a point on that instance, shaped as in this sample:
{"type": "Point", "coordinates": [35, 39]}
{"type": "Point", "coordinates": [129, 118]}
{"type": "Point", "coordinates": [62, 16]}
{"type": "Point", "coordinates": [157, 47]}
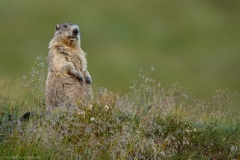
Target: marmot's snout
{"type": "Point", "coordinates": [75, 32]}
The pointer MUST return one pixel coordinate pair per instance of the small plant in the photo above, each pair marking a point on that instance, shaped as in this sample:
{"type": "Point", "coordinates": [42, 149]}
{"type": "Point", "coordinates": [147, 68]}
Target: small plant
{"type": "Point", "coordinates": [35, 83]}
{"type": "Point", "coordinates": [150, 122]}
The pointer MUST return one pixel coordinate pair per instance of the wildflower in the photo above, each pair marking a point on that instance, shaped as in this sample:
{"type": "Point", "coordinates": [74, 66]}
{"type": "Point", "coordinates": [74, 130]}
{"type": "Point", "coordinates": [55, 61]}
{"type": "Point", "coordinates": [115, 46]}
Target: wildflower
{"type": "Point", "coordinates": [194, 129]}
{"type": "Point", "coordinates": [80, 112]}
{"type": "Point", "coordinates": [152, 68]}
{"type": "Point", "coordinates": [146, 80]}
{"type": "Point", "coordinates": [89, 106]}
{"type": "Point", "coordinates": [92, 119]}
{"type": "Point", "coordinates": [106, 108]}
{"type": "Point", "coordinates": [234, 148]}
{"type": "Point", "coordinates": [41, 64]}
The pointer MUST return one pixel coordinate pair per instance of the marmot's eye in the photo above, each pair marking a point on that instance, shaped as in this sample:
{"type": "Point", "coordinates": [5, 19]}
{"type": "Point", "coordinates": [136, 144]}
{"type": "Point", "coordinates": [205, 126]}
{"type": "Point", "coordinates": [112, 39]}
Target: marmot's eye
{"type": "Point", "coordinates": [64, 26]}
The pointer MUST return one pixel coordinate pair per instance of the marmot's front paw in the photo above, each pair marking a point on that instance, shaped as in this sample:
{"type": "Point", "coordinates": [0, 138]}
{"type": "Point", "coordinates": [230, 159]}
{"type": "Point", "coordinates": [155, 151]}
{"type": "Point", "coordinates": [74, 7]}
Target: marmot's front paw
{"type": "Point", "coordinates": [88, 80]}
{"type": "Point", "coordinates": [79, 77]}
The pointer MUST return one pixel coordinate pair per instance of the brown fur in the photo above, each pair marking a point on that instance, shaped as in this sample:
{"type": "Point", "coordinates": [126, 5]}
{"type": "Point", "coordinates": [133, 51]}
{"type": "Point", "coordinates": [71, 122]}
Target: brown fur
{"type": "Point", "coordinates": [68, 81]}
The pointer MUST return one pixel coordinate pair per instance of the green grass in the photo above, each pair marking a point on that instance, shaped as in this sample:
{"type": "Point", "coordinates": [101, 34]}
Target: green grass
{"type": "Point", "coordinates": [194, 43]}
{"type": "Point", "coordinates": [150, 122]}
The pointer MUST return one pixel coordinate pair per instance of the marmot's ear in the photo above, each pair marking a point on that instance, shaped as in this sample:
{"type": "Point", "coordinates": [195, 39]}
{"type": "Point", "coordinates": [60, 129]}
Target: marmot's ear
{"type": "Point", "coordinates": [57, 27]}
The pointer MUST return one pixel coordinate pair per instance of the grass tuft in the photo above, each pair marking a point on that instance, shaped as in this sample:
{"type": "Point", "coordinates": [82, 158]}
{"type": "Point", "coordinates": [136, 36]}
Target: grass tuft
{"type": "Point", "coordinates": [150, 122]}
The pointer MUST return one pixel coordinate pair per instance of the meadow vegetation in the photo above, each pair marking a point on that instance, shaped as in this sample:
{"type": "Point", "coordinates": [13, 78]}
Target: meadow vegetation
{"type": "Point", "coordinates": [151, 121]}
{"type": "Point", "coordinates": [193, 42]}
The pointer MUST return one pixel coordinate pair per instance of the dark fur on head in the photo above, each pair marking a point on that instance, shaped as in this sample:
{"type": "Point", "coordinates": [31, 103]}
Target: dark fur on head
{"type": "Point", "coordinates": [66, 34]}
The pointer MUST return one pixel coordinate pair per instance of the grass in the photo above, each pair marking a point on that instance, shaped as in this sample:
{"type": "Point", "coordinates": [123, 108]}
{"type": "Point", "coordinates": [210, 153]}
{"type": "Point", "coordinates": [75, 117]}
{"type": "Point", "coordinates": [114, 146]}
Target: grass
{"type": "Point", "coordinates": [152, 120]}
{"type": "Point", "coordinates": [149, 122]}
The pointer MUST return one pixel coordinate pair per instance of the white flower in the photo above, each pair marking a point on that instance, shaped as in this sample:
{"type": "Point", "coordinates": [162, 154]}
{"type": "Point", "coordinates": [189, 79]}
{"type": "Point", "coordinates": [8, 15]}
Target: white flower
{"type": "Point", "coordinates": [106, 108]}
{"type": "Point", "coordinates": [92, 119]}
{"type": "Point", "coordinates": [234, 148]}
{"type": "Point", "coordinates": [152, 68]}
{"type": "Point", "coordinates": [89, 106]}
{"type": "Point", "coordinates": [80, 112]}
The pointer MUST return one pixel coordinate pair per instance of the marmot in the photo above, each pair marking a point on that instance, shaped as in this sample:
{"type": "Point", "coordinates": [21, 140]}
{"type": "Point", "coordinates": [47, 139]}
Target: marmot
{"type": "Point", "coordinates": [68, 81]}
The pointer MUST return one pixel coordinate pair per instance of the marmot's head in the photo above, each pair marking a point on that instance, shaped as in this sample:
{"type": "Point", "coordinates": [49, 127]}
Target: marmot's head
{"type": "Point", "coordinates": [66, 34]}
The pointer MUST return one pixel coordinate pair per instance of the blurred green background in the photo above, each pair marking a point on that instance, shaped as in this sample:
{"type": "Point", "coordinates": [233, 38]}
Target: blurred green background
{"type": "Point", "coordinates": [196, 43]}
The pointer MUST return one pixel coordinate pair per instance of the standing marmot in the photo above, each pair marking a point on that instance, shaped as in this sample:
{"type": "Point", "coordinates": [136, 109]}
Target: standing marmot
{"type": "Point", "coordinates": [68, 81]}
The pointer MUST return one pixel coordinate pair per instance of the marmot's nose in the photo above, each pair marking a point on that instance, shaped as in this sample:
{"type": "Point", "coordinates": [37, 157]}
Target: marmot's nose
{"type": "Point", "coordinates": [75, 31]}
